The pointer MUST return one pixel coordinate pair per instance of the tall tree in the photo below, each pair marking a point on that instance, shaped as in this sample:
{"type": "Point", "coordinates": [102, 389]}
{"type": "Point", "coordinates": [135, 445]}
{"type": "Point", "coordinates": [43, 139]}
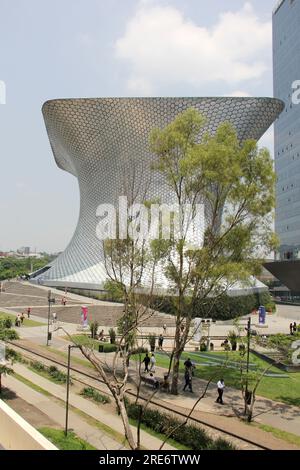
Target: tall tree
{"type": "Point", "coordinates": [234, 182]}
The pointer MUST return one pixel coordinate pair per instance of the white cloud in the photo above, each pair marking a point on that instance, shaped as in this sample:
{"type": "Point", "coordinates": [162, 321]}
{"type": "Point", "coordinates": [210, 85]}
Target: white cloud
{"type": "Point", "coordinates": [238, 93]}
{"type": "Point", "coordinates": [163, 47]}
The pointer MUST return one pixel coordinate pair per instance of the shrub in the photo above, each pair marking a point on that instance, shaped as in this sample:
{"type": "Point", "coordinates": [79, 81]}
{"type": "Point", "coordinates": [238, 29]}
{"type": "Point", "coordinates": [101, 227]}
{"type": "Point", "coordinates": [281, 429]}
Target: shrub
{"type": "Point", "coordinates": [191, 436]}
{"type": "Point", "coordinates": [94, 328]}
{"type": "Point", "coordinates": [108, 347]}
{"type": "Point", "coordinates": [6, 323]}
{"type": "Point", "coordinates": [37, 366]}
{"type": "Point", "coordinates": [223, 308]}
{"type": "Point", "coordinates": [90, 392]}
{"type": "Point", "coordinates": [232, 336]}
{"type": "Point", "coordinates": [112, 335]}
{"type": "Point", "coordinates": [139, 350]}
{"type": "Point", "coordinates": [8, 334]}
{"type": "Point", "coordinates": [221, 444]}
{"type": "Point", "coordinates": [152, 341]}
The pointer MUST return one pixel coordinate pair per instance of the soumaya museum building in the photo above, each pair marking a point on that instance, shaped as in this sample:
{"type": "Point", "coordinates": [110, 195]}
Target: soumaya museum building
{"type": "Point", "coordinates": [104, 143]}
{"type": "Point", "coordinates": [286, 60]}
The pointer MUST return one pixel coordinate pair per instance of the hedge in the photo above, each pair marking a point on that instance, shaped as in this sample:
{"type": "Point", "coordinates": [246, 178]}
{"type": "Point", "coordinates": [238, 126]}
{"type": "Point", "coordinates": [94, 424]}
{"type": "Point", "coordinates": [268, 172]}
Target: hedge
{"type": "Point", "coordinates": [191, 436]}
{"type": "Point", "coordinates": [224, 308]}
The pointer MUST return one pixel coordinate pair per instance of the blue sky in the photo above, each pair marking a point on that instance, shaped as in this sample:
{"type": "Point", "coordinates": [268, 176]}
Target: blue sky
{"type": "Point", "coordinates": [95, 48]}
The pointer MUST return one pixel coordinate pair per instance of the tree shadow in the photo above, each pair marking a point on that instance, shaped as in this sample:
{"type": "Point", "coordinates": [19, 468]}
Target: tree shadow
{"type": "Point", "coordinates": [8, 394]}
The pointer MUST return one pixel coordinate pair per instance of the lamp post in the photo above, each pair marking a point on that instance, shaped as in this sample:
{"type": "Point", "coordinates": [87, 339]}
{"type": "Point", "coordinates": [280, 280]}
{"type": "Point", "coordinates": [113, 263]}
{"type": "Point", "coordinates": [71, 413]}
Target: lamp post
{"type": "Point", "coordinates": [247, 363]}
{"type": "Point", "coordinates": [71, 346]}
{"type": "Point", "coordinates": [51, 300]}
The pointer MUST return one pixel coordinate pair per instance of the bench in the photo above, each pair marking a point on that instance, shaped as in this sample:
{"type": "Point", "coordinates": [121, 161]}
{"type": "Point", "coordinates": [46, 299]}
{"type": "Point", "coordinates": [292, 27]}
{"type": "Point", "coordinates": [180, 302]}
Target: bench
{"type": "Point", "coordinates": [147, 380]}
{"type": "Point", "coordinates": [156, 383]}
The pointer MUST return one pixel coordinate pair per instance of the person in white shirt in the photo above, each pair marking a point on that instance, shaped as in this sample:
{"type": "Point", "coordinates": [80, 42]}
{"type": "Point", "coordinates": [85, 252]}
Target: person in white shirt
{"type": "Point", "coordinates": [221, 386]}
{"type": "Point", "coordinates": [152, 363]}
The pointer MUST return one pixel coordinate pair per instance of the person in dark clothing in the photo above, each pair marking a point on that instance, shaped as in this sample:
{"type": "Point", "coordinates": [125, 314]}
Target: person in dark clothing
{"type": "Point", "coordinates": [146, 361]}
{"type": "Point", "coordinates": [295, 327]}
{"type": "Point", "coordinates": [188, 364]}
{"type": "Point", "coordinates": [291, 329]}
{"type": "Point", "coordinates": [188, 379]}
{"type": "Point", "coordinates": [160, 342]}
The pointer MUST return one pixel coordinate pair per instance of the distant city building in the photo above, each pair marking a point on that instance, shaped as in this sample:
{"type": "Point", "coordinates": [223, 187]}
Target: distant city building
{"type": "Point", "coordinates": [286, 58]}
{"type": "Point", "coordinates": [286, 63]}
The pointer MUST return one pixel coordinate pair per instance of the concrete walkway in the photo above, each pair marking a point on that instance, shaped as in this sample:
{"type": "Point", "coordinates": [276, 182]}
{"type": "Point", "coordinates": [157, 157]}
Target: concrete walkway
{"type": "Point", "coordinates": [56, 412]}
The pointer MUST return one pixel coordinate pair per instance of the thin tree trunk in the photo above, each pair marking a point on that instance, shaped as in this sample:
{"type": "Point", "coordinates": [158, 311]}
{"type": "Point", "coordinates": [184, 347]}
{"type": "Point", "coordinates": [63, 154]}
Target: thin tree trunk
{"type": "Point", "coordinates": [127, 428]}
{"type": "Point", "coordinates": [175, 377]}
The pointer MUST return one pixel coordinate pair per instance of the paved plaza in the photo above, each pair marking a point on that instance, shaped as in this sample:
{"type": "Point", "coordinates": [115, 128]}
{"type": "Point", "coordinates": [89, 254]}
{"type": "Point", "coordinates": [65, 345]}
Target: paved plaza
{"type": "Point", "coordinates": [267, 412]}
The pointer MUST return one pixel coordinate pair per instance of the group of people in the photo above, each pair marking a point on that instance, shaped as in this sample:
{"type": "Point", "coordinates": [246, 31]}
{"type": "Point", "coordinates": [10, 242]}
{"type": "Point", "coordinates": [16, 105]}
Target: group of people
{"type": "Point", "coordinates": [149, 361]}
{"type": "Point", "coordinates": [293, 328]}
{"type": "Point", "coordinates": [19, 319]}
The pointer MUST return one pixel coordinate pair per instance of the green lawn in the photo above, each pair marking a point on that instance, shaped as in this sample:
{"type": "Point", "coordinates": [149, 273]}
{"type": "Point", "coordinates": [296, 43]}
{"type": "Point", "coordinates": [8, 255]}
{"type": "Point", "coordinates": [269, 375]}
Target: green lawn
{"type": "Point", "coordinates": [69, 442]}
{"type": "Point", "coordinates": [27, 322]}
{"type": "Point", "coordinates": [286, 390]}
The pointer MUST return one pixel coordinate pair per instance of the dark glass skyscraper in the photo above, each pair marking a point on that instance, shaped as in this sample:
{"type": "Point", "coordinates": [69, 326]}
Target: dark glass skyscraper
{"type": "Point", "coordinates": [286, 59]}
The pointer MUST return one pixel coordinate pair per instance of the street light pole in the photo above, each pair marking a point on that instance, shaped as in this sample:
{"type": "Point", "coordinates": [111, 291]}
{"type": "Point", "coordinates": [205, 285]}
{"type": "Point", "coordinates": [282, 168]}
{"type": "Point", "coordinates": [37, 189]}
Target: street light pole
{"type": "Point", "coordinates": [68, 386]}
{"type": "Point", "coordinates": [49, 305]}
{"type": "Point", "coordinates": [51, 300]}
{"type": "Point", "coordinates": [248, 355]}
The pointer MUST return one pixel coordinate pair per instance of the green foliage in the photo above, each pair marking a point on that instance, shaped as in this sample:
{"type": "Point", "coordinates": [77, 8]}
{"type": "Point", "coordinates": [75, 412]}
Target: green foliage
{"type": "Point", "coordinates": [94, 328]}
{"type": "Point", "coordinates": [5, 323]}
{"type": "Point", "coordinates": [233, 338]}
{"type": "Point", "coordinates": [152, 341]}
{"type": "Point", "coordinates": [69, 442]}
{"type": "Point", "coordinates": [108, 347]}
{"type": "Point", "coordinates": [112, 335]}
{"type": "Point", "coordinates": [92, 393]}
{"type": "Point", "coordinates": [13, 267]}
{"type": "Point", "coordinates": [52, 372]}
{"type": "Point", "coordinates": [8, 335]}
{"type": "Point", "coordinates": [191, 436]}
{"type": "Point", "coordinates": [222, 308]}
{"type": "Point", "coordinates": [126, 326]}
{"type": "Point", "coordinates": [114, 292]}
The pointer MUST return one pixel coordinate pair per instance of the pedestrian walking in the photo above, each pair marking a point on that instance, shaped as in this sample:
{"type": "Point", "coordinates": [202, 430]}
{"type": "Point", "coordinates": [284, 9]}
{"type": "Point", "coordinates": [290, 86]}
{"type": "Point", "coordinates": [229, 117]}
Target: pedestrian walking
{"type": "Point", "coordinates": [291, 329]}
{"type": "Point", "coordinates": [221, 386]}
{"type": "Point", "coordinates": [295, 327]}
{"type": "Point", "coordinates": [152, 363]}
{"type": "Point", "coordinates": [22, 317]}
{"type": "Point", "coordinates": [146, 361]}
{"type": "Point", "coordinates": [164, 328]}
{"type": "Point", "coordinates": [188, 364]}
{"type": "Point", "coordinates": [54, 318]}
{"type": "Point", "coordinates": [188, 379]}
{"type": "Point", "coordinates": [28, 312]}
{"type": "Point", "coordinates": [160, 342]}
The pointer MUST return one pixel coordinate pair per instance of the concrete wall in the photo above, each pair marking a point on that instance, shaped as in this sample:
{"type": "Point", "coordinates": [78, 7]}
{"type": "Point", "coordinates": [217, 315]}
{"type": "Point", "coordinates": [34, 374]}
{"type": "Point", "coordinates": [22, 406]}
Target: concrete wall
{"type": "Point", "coordinates": [17, 434]}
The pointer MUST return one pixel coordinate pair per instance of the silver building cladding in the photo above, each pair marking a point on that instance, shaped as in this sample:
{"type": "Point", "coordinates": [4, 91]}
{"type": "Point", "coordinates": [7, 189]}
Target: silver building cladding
{"type": "Point", "coordinates": [104, 143]}
{"type": "Point", "coordinates": [286, 60]}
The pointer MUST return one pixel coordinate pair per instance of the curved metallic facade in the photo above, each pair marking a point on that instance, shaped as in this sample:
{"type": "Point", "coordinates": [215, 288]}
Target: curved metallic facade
{"type": "Point", "coordinates": [104, 143]}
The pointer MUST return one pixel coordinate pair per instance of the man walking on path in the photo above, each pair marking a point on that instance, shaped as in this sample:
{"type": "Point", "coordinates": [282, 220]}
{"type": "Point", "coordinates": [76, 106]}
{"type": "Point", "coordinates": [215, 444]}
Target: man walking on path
{"type": "Point", "coordinates": [153, 362]}
{"type": "Point", "coordinates": [188, 379]}
{"type": "Point", "coordinates": [221, 387]}
{"type": "Point", "coordinates": [146, 361]}
{"type": "Point", "coordinates": [160, 342]}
